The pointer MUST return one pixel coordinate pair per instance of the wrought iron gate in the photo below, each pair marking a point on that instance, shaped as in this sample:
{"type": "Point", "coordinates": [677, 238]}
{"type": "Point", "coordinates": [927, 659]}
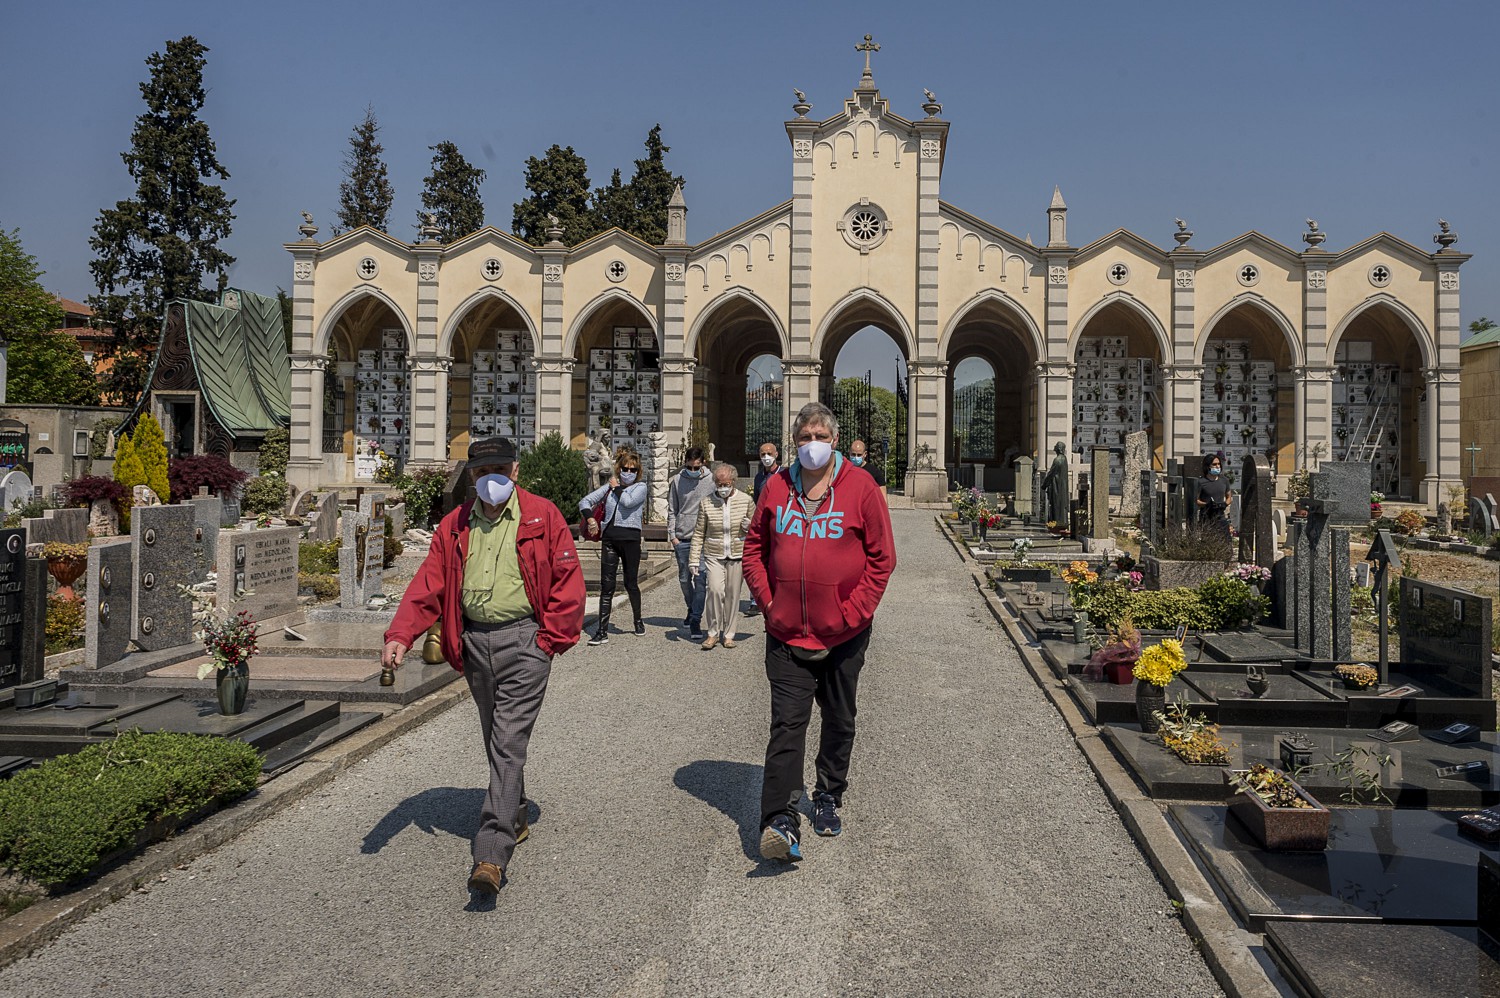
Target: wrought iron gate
{"type": "Point", "coordinates": [876, 416]}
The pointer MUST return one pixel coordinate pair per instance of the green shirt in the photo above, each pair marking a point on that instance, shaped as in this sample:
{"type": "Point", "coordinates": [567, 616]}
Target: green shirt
{"type": "Point", "coordinates": [493, 590]}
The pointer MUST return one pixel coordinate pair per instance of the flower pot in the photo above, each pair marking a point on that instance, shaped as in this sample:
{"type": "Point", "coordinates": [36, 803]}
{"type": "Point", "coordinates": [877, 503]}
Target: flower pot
{"type": "Point", "coordinates": [233, 686]}
{"type": "Point", "coordinates": [1149, 698]}
{"type": "Point", "coordinates": [67, 571]}
{"type": "Point", "coordinates": [1258, 685]}
{"type": "Point", "coordinates": [1120, 673]}
{"type": "Point", "coordinates": [1282, 829]}
{"type": "Point", "coordinates": [984, 532]}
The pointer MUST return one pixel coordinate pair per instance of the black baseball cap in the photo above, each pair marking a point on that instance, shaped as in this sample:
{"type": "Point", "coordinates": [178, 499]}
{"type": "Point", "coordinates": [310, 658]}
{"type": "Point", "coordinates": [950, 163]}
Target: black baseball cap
{"type": "Point", "coordinates": [491, 452]}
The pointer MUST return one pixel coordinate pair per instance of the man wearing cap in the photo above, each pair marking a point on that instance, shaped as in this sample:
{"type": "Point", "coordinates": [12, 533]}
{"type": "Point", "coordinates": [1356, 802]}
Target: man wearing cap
{"type": "Point", "coordinates": [503, 574]}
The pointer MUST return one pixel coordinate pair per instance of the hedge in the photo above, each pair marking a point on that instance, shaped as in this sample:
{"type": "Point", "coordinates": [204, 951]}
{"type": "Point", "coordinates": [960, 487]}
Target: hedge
{"type": "Point", "coordinates": [59, 820]}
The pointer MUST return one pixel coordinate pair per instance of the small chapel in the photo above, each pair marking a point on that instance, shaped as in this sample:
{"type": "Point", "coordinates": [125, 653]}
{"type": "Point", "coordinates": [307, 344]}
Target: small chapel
{"type": "Point", "coordinates": [1008, 347]}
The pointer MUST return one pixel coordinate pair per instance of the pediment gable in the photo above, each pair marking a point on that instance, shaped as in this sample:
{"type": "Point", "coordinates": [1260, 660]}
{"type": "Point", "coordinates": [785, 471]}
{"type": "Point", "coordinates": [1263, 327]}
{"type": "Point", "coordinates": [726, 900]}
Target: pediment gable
{"type": "Point", "coordinates": [488, 236]}
{"type": "Point", "coordinates": [365, 235]}
{"type": "Point", "coordinates": [1120, 239]}
{"type": "Point", "coordinates": [1385, 241]}
{"type": "Point", "coordinates": [1256, 242]}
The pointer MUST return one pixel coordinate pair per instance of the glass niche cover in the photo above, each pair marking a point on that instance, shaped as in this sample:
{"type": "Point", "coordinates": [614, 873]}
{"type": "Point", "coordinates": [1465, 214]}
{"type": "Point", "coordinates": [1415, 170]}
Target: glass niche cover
{"type": "Point", "coordinates": [502, 388]}
{"type": "Point", "coordinates": [624, 389]}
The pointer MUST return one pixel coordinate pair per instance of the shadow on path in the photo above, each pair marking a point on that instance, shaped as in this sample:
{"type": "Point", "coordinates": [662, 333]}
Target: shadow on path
{"type": "Point", "coordinates": [440, 809]}
{"type": "Point", "coordinates": [732, 788]}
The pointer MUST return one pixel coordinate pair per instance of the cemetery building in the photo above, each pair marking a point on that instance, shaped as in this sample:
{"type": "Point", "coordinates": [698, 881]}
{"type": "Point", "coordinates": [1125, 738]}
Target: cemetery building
{"type": "Point", "coordinates": [1479, 415]}
{"type": "Point", "coordinates": [1250, 346]}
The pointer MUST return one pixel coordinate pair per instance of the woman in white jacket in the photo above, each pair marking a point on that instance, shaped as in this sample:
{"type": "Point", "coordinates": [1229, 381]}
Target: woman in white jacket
{"type": "Point", "coordinates": [722, 520]}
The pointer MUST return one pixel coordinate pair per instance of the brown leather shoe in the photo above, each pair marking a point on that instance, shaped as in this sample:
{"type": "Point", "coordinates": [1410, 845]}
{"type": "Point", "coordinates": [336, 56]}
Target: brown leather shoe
{"type": "Point", "coordinates": [523, 824]}
{"type": "Point", "coordinates": [486, 878]}
{"type": "Point", "coordinates": [712, 641]}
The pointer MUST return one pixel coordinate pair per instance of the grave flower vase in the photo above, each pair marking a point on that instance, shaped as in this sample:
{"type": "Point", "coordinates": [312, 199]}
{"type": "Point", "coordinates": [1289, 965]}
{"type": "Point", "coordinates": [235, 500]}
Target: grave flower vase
{"type": "Point", "coordinates": [67, 571]}
{"type": "Point", "coordinates": [1149, 698]}
{"type": "Point", "coordinates": [233, 684]}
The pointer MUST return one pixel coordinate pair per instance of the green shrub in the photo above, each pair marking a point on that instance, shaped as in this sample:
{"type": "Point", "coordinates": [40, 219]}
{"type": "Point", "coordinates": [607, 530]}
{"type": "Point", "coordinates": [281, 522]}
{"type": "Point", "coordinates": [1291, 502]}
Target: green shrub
{"type": "Point", "coordinates": [393, 549]}
{"type": "Point", "coordinates": [64, 624]}
{"type": "Point", "coordinates": [150, 446]}
{"type": "Point", "coordinates": [59, 820]}
{"type": "Point", "coordinates": [1230, 603]}
{"type": "Point", "coordinates": [1194, 541]}
{"type": "Point", "coordinates": [422, 493]}
{"type": "Point", "coordinates": [324, 586]}
{"type": "Point", "coordinates": [555, 471]}
{"type": "Point", "coordinates": [1106, 603]}
{"type": "Point", "coordinates": [275, 452]}
{"type": "Point", "coordinates": [266, 495]}
{"type": "Point", "coordinates": [318, 558]}
{"type": "Point", "coordinates": [1164, 609]}
{"type": "Point", "coordinates": [26, 509]}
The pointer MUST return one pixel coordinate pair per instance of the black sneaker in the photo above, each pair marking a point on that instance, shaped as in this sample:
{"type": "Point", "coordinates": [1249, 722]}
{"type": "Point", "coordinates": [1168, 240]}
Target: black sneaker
{"type": "Point", "coordinates": [640, 627]}
{"type": "Point", "coordinates": [826, 820]}
{"type": "Point", "coordinates": [687, 621]}
{"type": "Point", "coordinates": [695, 629]}
{"type": "Point", "coordinates": [601, 637]}
{"type": "Point", "coordinates": [778, 840]}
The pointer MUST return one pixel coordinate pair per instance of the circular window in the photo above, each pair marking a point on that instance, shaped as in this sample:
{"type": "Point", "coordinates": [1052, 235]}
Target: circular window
{"type": "Point", "coordinates": [616, 271]}
{"type": "Point", "coordinates": [492, 269]}
{"type": "Point", "coordinates": [1248, 275]}
{"type": "Point", "coordinates": [864, 226]}
{"type": "Point", "coordinates": [369, 267]}
{"type": "Point", "coordinates": [1380, 275]}
{"type": "Point", "coordinates": [1118, 273]}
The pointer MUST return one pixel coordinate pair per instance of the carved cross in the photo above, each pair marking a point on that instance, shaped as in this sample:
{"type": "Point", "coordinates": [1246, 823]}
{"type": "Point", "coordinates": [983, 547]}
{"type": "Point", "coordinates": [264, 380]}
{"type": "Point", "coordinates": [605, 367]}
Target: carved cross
{"type": "Point", "coordinates": [1473, 450]}
{"type": "Point", "coordinates": [868, 47]}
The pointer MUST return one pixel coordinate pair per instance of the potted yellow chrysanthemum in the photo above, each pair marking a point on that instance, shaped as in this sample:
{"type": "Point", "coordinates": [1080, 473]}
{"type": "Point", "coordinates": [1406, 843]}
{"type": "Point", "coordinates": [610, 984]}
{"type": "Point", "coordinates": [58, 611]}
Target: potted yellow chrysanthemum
{"type": "Point", "coordinates": [1154, 672]}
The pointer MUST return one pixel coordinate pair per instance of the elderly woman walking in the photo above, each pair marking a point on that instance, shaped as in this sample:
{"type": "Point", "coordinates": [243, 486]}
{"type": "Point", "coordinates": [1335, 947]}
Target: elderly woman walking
{"type": "Point", "coordinates": [624, 499]}
{"type": "Point", "coordinates": [720, 534]}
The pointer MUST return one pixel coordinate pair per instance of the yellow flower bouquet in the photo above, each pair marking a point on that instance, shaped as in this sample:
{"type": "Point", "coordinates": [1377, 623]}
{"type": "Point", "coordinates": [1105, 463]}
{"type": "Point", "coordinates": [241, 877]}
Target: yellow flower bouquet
{"type": "Point", "coordinates": [1160, 663]}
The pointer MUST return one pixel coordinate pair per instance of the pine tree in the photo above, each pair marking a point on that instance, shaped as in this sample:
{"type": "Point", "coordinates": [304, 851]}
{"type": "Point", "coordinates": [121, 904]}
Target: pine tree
{"type": "Point", "coordinates": [614, 206]}
{"type": "Point", "coordinates": [652, 188]}
{"type": "Point", "coordinates": [150, 445]}
{"type": "Point", "coordinates": [451, 192]}
{"type": "Point", "coordinates": [128, 470]}
{"type": "Point", "coordinates": [164, 242]}
{"type": "Point", "coordinates": [559, 185]}
{"type": "Point", "coordinates": [365, 194]}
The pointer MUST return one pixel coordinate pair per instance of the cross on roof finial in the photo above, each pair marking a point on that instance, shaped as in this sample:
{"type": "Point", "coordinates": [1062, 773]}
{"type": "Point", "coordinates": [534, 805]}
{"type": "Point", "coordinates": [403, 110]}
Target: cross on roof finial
{"type": "Point", "coordinates": [866, 79]}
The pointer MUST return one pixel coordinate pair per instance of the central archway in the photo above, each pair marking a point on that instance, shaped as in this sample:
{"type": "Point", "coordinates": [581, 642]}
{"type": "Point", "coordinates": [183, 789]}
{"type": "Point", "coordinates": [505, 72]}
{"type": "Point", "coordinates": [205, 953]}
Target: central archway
{"type": "Point", "coordinates": [870, 399]}
{"type": "Point", "coordinates": [737, 386]}
{"type": "Point", "coordinates": [991, 398]}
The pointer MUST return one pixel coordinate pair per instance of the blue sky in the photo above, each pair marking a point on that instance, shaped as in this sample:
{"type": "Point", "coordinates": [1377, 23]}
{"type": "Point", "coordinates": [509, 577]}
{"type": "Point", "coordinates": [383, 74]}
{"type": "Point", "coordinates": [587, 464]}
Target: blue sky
{"type": "Point", "coordinates": [1366, 116]}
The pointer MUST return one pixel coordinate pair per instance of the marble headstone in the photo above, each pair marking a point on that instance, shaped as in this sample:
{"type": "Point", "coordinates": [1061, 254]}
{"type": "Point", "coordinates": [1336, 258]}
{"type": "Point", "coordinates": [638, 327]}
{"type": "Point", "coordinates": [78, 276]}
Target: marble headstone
{"type": "Point", "coordinates": [396, 513]}
{"type": "Point", "coordinates": [1445, 639]}
{"type": "Point", "coordinates": [65, 526]}
{"type": "Point", "coordinates": [1480, 517]}
{"type": "Point", "coordinates": [1344, 489]}
{"type": "Point", "coordinates": [1137, 459]}
{"type": "Point", "coordinates": [1150, 507]}
{"type": "Point", "coordinates": [207, 512]}
{"type": "Point", "coordinates": [1038, 504]}
{"type": "Point", "coordinates": [15, 487]}
{"type": "Point", "coordinates": [1024, 466]}
{"type": "Point", "coordinates": [164, 555]}
{"type": "Point", "coordinates": [143, 495]}
{"type": "Point", "coordinates": [107, 603]}
{"type": "Point", "coordinates": [322, 521]}
{"type": "Point", "coordinates": [1099, 494]}
{"type": "Point", "coordinates": [229, 512]}
{"type": "Point", "coordinates": [104, 519]}
{"type": "Point", "coordinates": [361, 556]}
{"type": "Point", "coordinates": [1321, 613]}
{"type": "Point", "coordinates": [261, 571]}
{"type": "Point", "coordinates": [1257, 540]}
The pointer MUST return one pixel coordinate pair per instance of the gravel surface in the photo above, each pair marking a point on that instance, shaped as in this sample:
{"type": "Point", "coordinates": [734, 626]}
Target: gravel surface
{"type": "Point", "coordinates": [979, 855]}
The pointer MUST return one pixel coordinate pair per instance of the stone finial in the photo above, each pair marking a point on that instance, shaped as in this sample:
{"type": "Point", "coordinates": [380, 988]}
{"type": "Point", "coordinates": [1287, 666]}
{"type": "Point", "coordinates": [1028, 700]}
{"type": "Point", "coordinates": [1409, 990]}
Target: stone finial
{"type": "Point", "coordinates": [1057, 200]}
{"type": "Point", "coordinates": [932, 105]}
{"type": "Point", "coordinates": [677, 218]}
{"type": "Point", "coordinates": [1183, 233]}
{"type": "Point", "coordinates": [429, 230]}
{"type": "Point", "coordinates": [867, 79]}
{"type": "Point", "coordinates": [1057, 220]}
{"type": "Point", "coordinates": [307, 228]}
{"type": "Point", "coordinates": [802, 106]}
{"type": "Point", "coordinates": [677, 200]}
{"type": "Point", "coordinates": [1445, 236]}
{"type": "Point", "coordinates": [1313, 236]}
{"type": "Point", "coordinates": [554, 230]}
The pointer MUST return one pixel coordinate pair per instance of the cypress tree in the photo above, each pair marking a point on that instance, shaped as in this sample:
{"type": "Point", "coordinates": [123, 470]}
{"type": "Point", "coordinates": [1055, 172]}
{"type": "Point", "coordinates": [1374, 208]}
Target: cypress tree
{"type": "Point", "coordinates": [365, 194]}
{"type": "Point", "coordinates": [559, 185]}
{"type": "Point", "coordinates": [128, 471]}
{"type": "Point", "coordinates": [614, 206]}
{"type": "Point", "coordinates": [451, 192]}
{"type": "Point", "coordinates": [164, 242]}
{"type": "Point", "coordinates": [652, 188]}
{"type": "Point", "coordinates": [150, 445]}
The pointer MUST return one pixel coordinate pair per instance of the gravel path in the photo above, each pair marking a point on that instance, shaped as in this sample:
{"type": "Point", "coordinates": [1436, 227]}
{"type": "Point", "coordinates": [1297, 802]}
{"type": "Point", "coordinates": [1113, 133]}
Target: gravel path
{"type": "Point", "coordinates": [979, 856]}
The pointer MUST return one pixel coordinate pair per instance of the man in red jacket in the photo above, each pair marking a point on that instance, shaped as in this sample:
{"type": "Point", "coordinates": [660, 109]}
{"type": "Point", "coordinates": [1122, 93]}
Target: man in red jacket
{"type": "Point", "coordinates": [503, 575]}
{"type": "Point", "coordinates": [817, 557]}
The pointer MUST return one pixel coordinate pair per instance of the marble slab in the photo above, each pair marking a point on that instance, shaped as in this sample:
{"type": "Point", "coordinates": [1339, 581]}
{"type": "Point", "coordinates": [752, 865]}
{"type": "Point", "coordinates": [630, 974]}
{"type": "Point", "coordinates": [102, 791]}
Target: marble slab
{"type": "Point", "coordinates": [164, 555]}
{"type": "Point", "coordinates": [1359, 960]}
{"type": "Point", "coordinates": [261, 570]}
{"type": "Point", "coordinates": [108, 602]}
{"type": "Point", "coordinates": [14, 628]}
{"type": "Point", "coordinates": [1245, 646]}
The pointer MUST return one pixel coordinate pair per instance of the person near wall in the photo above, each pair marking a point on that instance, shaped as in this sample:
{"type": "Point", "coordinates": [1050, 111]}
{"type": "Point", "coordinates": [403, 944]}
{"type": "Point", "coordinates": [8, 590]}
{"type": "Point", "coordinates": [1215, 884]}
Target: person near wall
{"type": "Point", "coordinates": [818, 556]}
{"type": "Point", "coordinates": [719, 547]}
{"type": "Point", "coordinates": [624, 498]}
{"type": "Point", "coordinates": [1212, 500]}
{"type": "Point", "coordinates": [859, 456]}
{"type": "Point", "coordinates": [687, 489]}
{"type": "Point", "coordinates": [503, 574]}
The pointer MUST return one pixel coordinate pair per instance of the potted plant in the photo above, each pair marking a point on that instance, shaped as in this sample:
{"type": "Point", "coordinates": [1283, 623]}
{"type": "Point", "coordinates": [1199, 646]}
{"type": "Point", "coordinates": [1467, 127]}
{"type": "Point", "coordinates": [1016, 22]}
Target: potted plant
{"type": "Point", "coordinates": [1357, 676]}
{"type": "Point", "coordinates": [65, 563]}
{"type": "Point", "coordinates": [1279, 813]}
{"type": "Point", "coordinates": [230, 640]}
{"type": "Point", "coordinates": [1410, 522]}
{"type": "Point", "coordinates": [1154, 671]}
{"type": "Point", "coordinates": [1116, 659]}
{"type": "Point", "coordinates": [1191, 737]}
{"type": "Point", "coordinates": [1376, 498]}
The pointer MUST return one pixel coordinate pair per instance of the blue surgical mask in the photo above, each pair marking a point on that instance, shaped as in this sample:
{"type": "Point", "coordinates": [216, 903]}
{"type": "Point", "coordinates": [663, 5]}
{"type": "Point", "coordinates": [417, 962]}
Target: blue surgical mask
{"type": "Point", "coordinates": [693, 472]}
{"type": "Point", "coordinates": [859, 460]}
{"type": "Point", "coordinates": [1215, 472]}
{"type": "Point", "coordinates": [627, 478]}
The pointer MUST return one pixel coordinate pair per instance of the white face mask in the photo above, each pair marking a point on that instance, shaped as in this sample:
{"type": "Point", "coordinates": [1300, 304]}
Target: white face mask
{"type": "Point", "coordinates": [814, 454]}
{"type": "Point", "coordinates": [495, 489]}
{"type": "Point", "coordinates": [724, 491]}
{"type": "Point", "coordinates": [769, 460]}
{"type": "Point", "coordinates": [627, 478]}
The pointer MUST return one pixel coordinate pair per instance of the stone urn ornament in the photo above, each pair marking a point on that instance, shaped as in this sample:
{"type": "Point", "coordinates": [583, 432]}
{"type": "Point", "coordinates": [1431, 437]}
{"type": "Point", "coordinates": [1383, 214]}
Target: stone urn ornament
{"type": "Point", "coordinates": [66, 563]}
{"type": "Point", "coordinates": [1255, 679]}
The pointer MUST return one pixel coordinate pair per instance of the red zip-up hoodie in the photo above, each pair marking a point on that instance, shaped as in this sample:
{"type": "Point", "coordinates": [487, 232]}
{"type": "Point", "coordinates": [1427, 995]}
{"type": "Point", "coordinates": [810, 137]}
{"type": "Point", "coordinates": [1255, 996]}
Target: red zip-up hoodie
{"type": "Point", "coordinates": [819, 579]}
{"type": "Point", "coordinates": [549, 572]}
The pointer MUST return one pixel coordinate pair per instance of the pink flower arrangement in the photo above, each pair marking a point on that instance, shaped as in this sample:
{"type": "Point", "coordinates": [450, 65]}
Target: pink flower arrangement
{"type": "Point", "coordinates": [1247, 572]}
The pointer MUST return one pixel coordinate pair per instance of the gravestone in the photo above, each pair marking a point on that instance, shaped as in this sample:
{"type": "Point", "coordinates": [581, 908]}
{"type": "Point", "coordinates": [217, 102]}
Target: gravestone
{"type": "Point", "coordinates": [1038, 505]}
{"type": "Point", "coordinates": [1480, 519]}
{"type": "Point", "coordinates": [104, 519]}
{"type": "Point", "coordinates": [261, 570]}
{"type": "Point", "coordinates": [164, 555]}
{"type": "Point", "coordinates": [322, 521]}
{"type": "Point", "coordinates": [1444, 520]}
{"type": "Point", "coordinates": [229, 512]}
{"type": "Point", "coordinates": [1024, 508]}
{"type": "Point", "coordinates": [1283, 592]}
{"type": "Point", "coordinates": [1362, 573]}
{"type": "Point", "coordinates": [207, 512]}
{"type": "Point", "coordinates": [64, 526]}
{"type": "Point", "coordinates": [1137, 459]}
{"type": "Point", "coordinates": [1347, 483]}
{"type": "Point", "coordinates": [34, 622]}
{"type": "Point", "coordinates": [1232, 511]}
{"type": "Point", "coordinates": [1278, 527]}
{"type": "Point", "coordinates": [143, 495]}
{"type": "Point", "coordinates": [1099, 494]}
{"type": "Point", "coordinates": [107, 602]}
{"type": "Point", "coordinates": [361, 557]}
{"type": "Point", "coordinates": [1257, 540]}
{"type": "Point", "coordinates": [1445, 639]}
{"type": "Point", "coordinates": [15, 488]}
{"type": "Point", "coordinates": [16, 633]}
{"type": "Point", "coordinates": [1322, 623]}
{"type": "Point", "coordinates": [397, 515]}
{"type": "Point", "coordinates": [1150, 508]}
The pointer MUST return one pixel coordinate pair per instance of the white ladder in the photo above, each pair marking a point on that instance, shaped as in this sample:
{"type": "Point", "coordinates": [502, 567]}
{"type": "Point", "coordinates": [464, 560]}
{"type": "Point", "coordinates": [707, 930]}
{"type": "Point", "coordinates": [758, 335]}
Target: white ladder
{"type": "Point", "coordinates": [1371, 434]}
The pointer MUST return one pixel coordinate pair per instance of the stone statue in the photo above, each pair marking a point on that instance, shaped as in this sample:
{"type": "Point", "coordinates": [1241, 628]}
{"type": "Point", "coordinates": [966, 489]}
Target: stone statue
{"type": "Point", "coordinates": [307, 217]}
{"type": "Point", "coordinates": [1444, 520]}
{"type": "Point", "coordinates": [1055, 485]}
{"type": "Point", "coordinates": [931, 99]}
{"type": "Point", "coordinates": [597, 457]}
{"type": "Point", "coordinates": [553, 222]}
{"type": "Point", "coordinates": [801, 97]}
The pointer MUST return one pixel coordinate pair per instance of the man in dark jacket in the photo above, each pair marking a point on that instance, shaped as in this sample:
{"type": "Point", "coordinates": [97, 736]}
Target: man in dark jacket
{"type": "Point", "coordinates": [818, 555]}
{"type": "Point", "coordinates": [503, 574]}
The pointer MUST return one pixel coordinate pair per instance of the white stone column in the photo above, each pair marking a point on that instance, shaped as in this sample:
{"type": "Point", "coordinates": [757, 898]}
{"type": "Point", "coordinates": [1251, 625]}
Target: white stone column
{"type": "Point", "coordinates": [428, 434]}
{"type": "Point", "coordinates": [677, 398]}
{"type": "Point", "coordinates": [1182, 401]}
{"type": "Point", "coordinates": [1443, 440]}
{"type": "Point", "coordinates": [1317, 416]}
{"type": "Point", "coordinates": [800, 383]}
{"type": "Point", "coordinates": [1054, 380]}
{"type": "Point", "coordinates": [554, 396]}
{"type": "Point", "coordinates": [1183, 384]}
{"type": "Point", "coordinates": [305, 464]}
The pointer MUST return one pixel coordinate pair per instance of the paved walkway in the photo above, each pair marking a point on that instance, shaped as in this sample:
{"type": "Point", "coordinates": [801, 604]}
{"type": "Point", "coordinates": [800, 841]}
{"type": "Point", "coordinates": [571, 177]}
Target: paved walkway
{"type": "Point", "coordinates": [979, 855]}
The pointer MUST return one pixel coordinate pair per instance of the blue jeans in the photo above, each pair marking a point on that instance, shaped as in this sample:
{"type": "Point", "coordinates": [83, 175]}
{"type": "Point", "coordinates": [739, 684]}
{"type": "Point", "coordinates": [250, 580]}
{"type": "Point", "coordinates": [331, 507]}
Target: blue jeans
{"type": "Point", "coordinates": [693, 590]}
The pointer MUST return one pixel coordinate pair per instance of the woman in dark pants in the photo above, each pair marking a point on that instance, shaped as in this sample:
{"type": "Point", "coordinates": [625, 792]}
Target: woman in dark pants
{"type": "Point", "coordinates": [624, 498]}
{"type": "Point", "coordinates": [1213, 495]}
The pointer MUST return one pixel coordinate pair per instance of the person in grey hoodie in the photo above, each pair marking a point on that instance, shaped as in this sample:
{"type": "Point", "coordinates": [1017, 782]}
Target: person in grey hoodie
{"type": "Point", "coordinates": [687, 489]}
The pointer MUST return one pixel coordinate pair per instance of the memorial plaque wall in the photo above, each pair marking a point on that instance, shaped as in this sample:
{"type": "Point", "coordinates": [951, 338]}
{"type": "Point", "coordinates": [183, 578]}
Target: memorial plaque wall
{"type": "Point", "coordinates": [12, 602]}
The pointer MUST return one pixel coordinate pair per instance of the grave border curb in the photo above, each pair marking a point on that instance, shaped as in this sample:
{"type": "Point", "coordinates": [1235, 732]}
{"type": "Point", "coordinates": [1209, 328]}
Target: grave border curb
{"type": "Point", "coordinates": [29, 930]}
{"type": "Point", "coordinates": [1223, 945]}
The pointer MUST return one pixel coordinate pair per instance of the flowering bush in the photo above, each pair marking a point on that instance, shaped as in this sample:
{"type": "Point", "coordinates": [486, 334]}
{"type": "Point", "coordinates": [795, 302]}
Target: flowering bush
{"type": "Point", "coordinates": [1020, 548]}
{"type": "Point", "coordinates": [1246, 572]}
{"type": "Point", "coordinates": [229, 638]}
{"type": "Point", "coordinates": [1410, 521]}
{"type": "Point", "coordinates": [1079, 578]}
{"type": "Point", "coordinates": [1160, 664]}
{"type": "Point", "coordinates": [1133, 580]}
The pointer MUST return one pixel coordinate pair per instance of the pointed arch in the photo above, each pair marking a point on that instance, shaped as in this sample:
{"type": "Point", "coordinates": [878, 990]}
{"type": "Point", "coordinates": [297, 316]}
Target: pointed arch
{"type": "Point", "coordinates": [450, 328]}
{"type": "Point", "coordinates": [1006, 302]}
{"type": "Point", "coordinates": [333, 315]}
{"type": "Point", "coordinates": [1163, 341]}
{"type": "Point", "coordinates": [868, 296]}
{"type": "Point", "coordinates": [613, 295]}
{"type": "Point", "coordinates": [1277, 317]}
{"type": "Point", "coordinates": [1403, 312]}
{"type": "Point", "coordinates": [735, 293]}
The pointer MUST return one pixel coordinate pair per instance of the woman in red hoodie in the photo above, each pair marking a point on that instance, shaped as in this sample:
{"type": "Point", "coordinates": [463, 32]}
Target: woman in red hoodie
{"type": "Point", "coordinates": [818, 555]}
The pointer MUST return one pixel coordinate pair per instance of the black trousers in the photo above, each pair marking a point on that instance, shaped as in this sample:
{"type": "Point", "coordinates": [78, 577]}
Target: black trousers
{"type": "Point", "coordinates": [613, 553]}
{"type": "Point", "coordinates": [795, 686]}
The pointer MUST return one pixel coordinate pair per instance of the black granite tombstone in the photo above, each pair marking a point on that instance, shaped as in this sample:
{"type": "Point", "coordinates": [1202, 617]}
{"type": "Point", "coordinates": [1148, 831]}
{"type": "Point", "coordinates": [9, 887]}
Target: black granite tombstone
{"type": "Point", "coordinates": [1445, 639]}
{"type": "Point", "coordinates": [13, 630]}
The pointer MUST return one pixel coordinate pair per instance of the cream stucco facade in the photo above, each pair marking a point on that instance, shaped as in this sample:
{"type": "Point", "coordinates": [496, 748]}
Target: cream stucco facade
{"type": "Point", "coordinates": [866, 239]}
